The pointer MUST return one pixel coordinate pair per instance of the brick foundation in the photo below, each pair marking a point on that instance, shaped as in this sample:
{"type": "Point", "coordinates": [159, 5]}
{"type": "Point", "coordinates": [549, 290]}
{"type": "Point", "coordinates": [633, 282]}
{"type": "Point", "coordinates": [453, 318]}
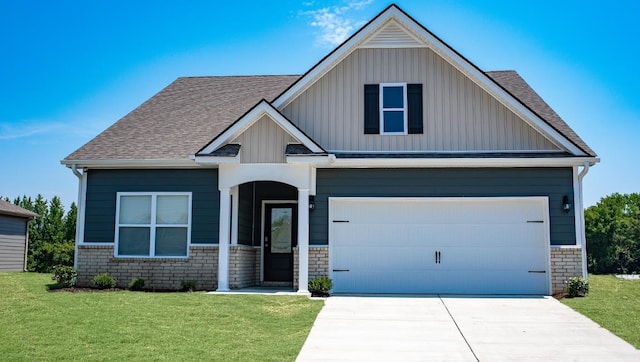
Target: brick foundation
{"type": "Point", "coordinates": [158, 273]}
{"type": "Point", "coordinates": [243, 263]}
{"type": "Point", "coordinates": [244, 267]}
{"type": "Point", "coordinates": [318, 263]}
{"type": "Point", "coordinates": [566, 262]}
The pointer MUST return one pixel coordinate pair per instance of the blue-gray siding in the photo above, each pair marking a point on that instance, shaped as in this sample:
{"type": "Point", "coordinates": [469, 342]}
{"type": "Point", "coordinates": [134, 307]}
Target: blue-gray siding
{"type": "Point", "coordinates": [102, 186]}
{"type": "Point", "coordinates": [469, 182]}
{"type": "Point", "coordinates": [13, 232]}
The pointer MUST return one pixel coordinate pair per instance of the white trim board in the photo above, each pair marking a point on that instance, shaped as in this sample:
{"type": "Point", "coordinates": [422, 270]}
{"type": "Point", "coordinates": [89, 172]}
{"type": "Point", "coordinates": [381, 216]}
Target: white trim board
{"type": "Point", "coordinates": [456, 162]}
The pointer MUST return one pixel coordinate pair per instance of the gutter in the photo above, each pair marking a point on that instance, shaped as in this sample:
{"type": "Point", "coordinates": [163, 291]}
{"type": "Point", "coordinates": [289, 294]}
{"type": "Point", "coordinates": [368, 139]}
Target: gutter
{"type": "Point", "coordinates": [581, 175]}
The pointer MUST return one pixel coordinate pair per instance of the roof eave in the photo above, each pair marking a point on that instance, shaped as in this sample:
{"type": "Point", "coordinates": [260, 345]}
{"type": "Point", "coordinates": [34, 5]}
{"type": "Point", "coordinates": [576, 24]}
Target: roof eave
{"type": "Point", "coordinates": [131, 163]}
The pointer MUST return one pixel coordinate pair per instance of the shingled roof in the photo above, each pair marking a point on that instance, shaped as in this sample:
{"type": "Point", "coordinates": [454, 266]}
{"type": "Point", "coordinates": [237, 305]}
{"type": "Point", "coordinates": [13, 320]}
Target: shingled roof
{"type": "Point", "coordinates": [513, 83]}
{"type": "Point", "coordinates": [191, 111]}
{"type": "Point", "coordinates": [183, 117]}
{"type": "Point", "coordinates": [7, 208]}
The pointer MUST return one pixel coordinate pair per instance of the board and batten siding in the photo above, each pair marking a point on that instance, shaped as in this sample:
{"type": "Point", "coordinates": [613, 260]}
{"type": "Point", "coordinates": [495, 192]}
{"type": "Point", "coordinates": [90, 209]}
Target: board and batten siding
{"type": "Point", "coordinates": [458, 114]}
{"type": "Point", "coordinates": [13, 235]}
{"type": "Point", "coordinates": [449, 182]}
{"type": "Point", "coordinates": [102, 186]}
{"type": "Point", "coordinates": [263, 142]}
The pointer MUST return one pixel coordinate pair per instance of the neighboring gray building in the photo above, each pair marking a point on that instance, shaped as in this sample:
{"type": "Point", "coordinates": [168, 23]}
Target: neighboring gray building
{"type": "Point", "coordinates": [394, 165]}
{"type": "Point", "coordinates": [14, 236]}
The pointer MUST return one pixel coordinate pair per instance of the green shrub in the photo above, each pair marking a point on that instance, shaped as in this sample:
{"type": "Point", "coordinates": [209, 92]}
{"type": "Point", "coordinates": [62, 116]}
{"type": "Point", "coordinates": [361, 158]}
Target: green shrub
{"type": "Point", "coordinates": [577, 287]}
{"type": "Point", "coordinates": [320, 286]}
{"type": "Point", "coordinates": [104, 281]}
{"type": "Point", "coordinates": [65, 275]}
{"type": "Point", "coordinates": [188, 285]}
{"type": "Point", "coordinates": [136, 284]}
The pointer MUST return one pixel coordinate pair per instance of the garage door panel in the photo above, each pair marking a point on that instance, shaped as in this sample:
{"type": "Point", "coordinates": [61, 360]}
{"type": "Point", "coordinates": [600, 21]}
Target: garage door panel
{"type": "Point", "coordinates": [483, 245]}
{"type": "Point", "coordinates": [438, 235]}
{"type": "Point", "coordinates": [437, 212]}
{"type": "Point", "coordinates": [452, 281]}
{"type": "Point", "coordinates": [383, 258]}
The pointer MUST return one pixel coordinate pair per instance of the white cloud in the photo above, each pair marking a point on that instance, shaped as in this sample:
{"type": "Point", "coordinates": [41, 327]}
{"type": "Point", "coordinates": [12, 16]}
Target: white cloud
{"type": "Point", "coordinates": [335, 23]}
{"type": "Point", "coordinates": [10, 131]}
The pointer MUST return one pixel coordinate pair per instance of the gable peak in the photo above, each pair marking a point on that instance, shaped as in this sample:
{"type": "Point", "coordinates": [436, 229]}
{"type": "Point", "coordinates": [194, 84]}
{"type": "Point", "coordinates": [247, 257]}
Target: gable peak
{"type": "Point", "coordinates": [392, 35]}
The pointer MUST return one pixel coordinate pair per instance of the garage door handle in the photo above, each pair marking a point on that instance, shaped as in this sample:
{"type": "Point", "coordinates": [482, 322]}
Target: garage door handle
{"type": "Point", "coordinates": [538, 271]}
{"type": "Point", "coordinates": [340, 270]}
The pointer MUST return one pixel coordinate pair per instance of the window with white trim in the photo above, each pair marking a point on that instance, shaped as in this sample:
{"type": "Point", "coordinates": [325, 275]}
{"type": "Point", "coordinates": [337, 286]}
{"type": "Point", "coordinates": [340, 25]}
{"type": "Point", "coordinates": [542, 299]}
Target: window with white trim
{"type": "Point", "coordinates": [393, 108]}
{"type": "Point", "coordinates": [153, 224]}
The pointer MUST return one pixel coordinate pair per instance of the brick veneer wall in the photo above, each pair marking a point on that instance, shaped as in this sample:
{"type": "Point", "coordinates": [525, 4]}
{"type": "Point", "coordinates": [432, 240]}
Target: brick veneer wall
{"type": "Point", "coordinates": [159, 273]}
{"type": "Point", "coordinates": [318, 263]}
{"type": "Point", "coordinates": [243, 262]}
{"type": "Point", "coordinates": [566, 262]}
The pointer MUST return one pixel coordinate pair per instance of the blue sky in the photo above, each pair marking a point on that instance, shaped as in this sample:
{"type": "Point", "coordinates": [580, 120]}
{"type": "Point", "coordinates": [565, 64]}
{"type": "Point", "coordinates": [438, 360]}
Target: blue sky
{"type": "Point", "coordinates": [69, 69]}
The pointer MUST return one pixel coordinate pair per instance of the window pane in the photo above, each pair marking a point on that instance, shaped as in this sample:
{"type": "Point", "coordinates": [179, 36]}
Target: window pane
{"type": "Point", "coordinates": [392, 97]}
{"type": "Point", "coordinates": [135, 210]}
{"type": "Point", "coordinates": [133, 241]}
{"type": "Point", "coordinates": [172, 209]}
{"type": "Point", "coordinates": [281, 226]}
{"type": "Point", "coordinates": [393, 121]}
{"type": "Point", "coordinates": [171, 241]}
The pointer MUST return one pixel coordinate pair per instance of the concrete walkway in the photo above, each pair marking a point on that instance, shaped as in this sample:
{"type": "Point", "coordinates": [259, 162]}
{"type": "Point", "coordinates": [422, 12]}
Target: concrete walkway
{"type": "Point", "coordinates": [457, 328]}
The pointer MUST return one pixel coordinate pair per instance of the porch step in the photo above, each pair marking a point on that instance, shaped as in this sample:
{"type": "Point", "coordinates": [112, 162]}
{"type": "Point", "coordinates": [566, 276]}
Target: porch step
{"type": "Point", "coordinates": [276, 284]}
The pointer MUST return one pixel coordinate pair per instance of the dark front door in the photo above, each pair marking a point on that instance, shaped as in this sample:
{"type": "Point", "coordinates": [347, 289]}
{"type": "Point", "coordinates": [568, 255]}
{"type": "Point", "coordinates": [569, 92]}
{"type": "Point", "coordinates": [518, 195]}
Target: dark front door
{"type": "Point", "coordinates": [281, 235]}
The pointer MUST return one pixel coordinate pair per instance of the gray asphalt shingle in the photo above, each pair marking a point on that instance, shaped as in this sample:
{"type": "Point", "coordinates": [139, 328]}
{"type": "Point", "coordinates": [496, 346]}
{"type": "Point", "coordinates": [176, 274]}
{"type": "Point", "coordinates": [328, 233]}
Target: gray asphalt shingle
{"type": "Point", "coordinates": [7, 208]}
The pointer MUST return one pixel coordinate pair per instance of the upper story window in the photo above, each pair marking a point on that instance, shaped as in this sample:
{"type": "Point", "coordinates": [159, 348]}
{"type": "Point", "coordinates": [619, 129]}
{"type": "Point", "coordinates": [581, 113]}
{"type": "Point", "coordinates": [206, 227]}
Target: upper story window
{"type": "Point", "coordinates": [153, 224]}
{"type": "Point", "coordinates": [393, 109]}
{"type": "Point", "coordinates": [393, 113]}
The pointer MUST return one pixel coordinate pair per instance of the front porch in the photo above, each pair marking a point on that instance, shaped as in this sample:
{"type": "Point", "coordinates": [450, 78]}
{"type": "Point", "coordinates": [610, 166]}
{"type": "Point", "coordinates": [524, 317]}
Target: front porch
{"type": "Point", "coordinates": [264, 221]}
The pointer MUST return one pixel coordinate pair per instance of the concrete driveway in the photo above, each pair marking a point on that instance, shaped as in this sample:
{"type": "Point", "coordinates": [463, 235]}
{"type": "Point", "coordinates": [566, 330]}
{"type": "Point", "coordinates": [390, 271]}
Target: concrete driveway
{"type": "Point", "coordinates": [458, 328]}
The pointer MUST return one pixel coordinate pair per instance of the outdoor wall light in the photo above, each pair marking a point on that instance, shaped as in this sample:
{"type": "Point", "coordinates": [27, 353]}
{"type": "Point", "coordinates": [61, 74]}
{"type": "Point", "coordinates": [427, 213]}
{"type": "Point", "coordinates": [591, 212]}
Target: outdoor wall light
{"type": "Point", "coordinates": [312, 202]}
{"type": "Point", "coordinates": [566, 206]}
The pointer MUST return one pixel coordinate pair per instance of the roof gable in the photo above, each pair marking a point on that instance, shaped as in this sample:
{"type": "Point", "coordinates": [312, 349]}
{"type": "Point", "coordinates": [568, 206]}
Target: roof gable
{"type": "Point", "coordinates": [393, 27]}
{"type": "Point", "coordinates": [256, 114]}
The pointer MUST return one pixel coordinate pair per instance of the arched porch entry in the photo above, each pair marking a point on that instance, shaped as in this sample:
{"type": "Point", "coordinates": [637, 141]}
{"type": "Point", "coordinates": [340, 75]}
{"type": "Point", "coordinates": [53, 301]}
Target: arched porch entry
{"type": "Point", "coordinates": [264, 219]}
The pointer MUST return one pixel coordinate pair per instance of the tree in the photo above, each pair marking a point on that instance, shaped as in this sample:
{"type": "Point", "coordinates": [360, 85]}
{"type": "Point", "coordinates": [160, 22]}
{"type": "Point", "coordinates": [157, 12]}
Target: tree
{"type": "Point", "coordinates": [612, 229]}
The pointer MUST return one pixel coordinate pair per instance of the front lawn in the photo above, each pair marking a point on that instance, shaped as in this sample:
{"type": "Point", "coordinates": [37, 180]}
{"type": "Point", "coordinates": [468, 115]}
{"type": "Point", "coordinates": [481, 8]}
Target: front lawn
{"type": "Point", "coordinates": [614, 304]}
{"type": "Point", "coordinates": [41, 325]}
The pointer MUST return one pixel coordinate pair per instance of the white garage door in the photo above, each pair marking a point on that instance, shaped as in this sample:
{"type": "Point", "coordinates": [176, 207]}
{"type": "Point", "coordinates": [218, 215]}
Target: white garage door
{"type": "Point", "coordinates": [439, 245]}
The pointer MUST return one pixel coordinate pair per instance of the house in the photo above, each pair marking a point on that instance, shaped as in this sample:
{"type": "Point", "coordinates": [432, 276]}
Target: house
{"type": "Point", "coordinates": [392, 165]}
{"type": "Point", "coordinates": [14, 236]}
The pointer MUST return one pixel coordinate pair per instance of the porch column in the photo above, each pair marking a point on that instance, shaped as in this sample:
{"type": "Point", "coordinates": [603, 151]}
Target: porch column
{"type": "Point", "coordinates": [303, 241]}
{"type": "Point", "coordinates": [223, 240]}
{"type": "Point", "coordinates": [235, 197]}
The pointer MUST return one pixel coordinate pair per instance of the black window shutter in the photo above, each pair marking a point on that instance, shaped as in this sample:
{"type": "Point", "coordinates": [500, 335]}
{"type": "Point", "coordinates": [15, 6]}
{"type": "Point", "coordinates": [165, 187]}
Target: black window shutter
{"type": "Point", "coordinates": [371, 109]}
{"type": "Point", "coordinates": [414, 100]}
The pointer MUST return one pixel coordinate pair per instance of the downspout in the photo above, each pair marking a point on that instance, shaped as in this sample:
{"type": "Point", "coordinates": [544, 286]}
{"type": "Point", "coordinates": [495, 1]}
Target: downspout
{"type": "Point", "coordinates": [80, 211]}
{"type": "Point", "coordinates": [583, 238]}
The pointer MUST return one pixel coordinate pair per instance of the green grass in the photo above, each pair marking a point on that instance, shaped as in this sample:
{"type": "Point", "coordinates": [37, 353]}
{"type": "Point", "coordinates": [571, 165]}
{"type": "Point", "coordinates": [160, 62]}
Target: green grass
{"type": "Point", "coordinates": [39, 325]}
{"type": "Point", "coordinates": [614, 304]}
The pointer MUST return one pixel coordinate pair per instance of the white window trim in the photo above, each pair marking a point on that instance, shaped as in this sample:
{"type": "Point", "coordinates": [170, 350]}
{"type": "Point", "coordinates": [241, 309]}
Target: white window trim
{"type": "Point", "coordinates": [152, 225]}
{"type": "Point", "coordinates": [404, 109]}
